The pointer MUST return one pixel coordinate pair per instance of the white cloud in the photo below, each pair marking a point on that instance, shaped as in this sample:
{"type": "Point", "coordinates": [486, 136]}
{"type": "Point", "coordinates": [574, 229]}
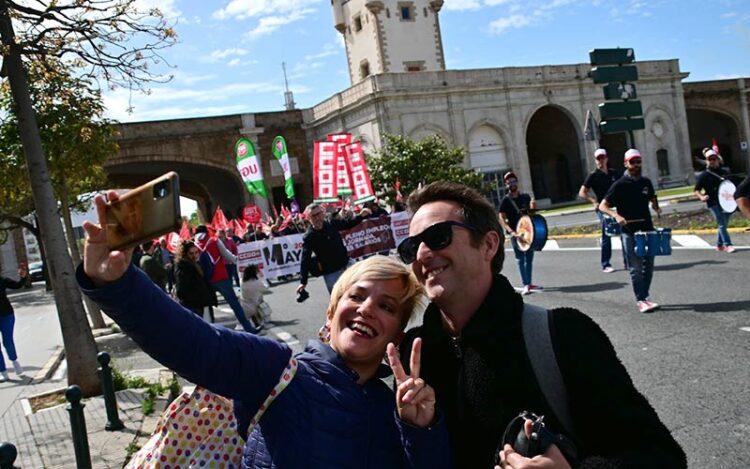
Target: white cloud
{"type": "Point", "coordinates": [234, 62]}
{"type": "Point", "coordinates": [269, 24]}
{"type": "Point", "coordinates": [190, 79]}
{"type": "Point", "coordinates": [221, 54]}
{"type": "Point", "coordinates": [514, 21]}
{"type": "Point", "coordinates": [167, 7]}
{"type": "Point", "coordinates": [462, 5]}
{"type": "Point", "coordinates": [243, 9]}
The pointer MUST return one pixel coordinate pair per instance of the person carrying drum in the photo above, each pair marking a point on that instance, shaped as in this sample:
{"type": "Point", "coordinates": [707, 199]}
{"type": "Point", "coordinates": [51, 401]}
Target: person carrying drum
{"type": "Point", "coordinates": [513, 206]}
{"type": "Point", "coordinates": [600, 180]}
{"type": "Point", "coordinates": [707, 190]}
{"type": "Point", "coordinates": [631, 195]}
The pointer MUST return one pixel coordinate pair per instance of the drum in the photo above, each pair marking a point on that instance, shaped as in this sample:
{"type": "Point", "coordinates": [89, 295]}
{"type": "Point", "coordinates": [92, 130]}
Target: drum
{"type": "Point", "coordinates": [532, 232]}
{"type": "Point", "coordinates": [726, 196]}
{"type": "Point", "coordinates": [653, 243]}
{"type": "Point", "coordinates": [611, 227]}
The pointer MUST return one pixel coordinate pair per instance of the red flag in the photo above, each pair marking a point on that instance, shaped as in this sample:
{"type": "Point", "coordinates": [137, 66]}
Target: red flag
{"type": "Point", "coordinates": [185, 230]}
{"type": "Point", "coordinates": [399, 197]}
{"type": "Point", "coordinates": [173, 242]}
{"type": "Point", "coordinates": [285, 211]}
{"type": "Point", "coordinates": [219, 221]}
{"type": "Point", "coordinates": [714, 145]}
{"type": "Point", "coordinates": [240, 227]}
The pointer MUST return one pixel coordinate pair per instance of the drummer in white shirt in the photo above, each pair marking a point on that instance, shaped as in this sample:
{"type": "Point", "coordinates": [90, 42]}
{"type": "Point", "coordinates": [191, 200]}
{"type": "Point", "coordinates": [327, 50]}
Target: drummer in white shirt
{"type": "Point", "coordinates": [707, 190]}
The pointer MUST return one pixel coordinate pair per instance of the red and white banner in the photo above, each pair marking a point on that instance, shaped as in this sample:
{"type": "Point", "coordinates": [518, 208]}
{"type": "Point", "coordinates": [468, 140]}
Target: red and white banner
{"type": "Point", "coordinates": [324, 172]}
{"type": "Point", "coordinates": [360, 177]}
{"type": "Point", "coordinates": [283, 255]}
{"type": "Point", "coordinates": [343, 182]}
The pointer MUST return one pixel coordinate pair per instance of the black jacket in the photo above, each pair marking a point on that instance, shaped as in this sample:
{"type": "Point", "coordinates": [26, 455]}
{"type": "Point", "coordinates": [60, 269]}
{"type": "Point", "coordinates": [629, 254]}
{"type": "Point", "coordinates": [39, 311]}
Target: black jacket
{"type": "Point", "coordinates": [191, 287]}
{"type": "Point", "coordinates": [484, 379]}
{"type": "Point", "coordinates": [327, 245]}
{"type": "Point", "coordinates": [6, 309]}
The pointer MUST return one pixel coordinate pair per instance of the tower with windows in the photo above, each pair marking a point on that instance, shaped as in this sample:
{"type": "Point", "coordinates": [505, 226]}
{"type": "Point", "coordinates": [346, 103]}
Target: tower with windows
{"type": "Point", "coordinates": [389, 36]}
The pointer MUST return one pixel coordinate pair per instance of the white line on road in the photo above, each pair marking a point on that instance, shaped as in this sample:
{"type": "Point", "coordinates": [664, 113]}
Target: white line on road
{"type": "Point", "coordinates": [745, 329]}
{"type": "Point", "coordinates": [551, 245]}
{"type": "Point", "coordinates": [690, 241]}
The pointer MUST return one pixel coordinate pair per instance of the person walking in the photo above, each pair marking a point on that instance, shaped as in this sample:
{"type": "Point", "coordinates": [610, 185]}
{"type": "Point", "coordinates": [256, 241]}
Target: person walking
{"type": "Point", "coordinates": [707, 190]}
{"type": "Point", "coordinates": [513, 206]}
{"type": "Point", "coordinates": [191, 285]}
{"type": "Point", "coordinates": [213, 264]}
{"type": "Point", "coordinates": [323, 239]}
{"type": "Point", "coordinates": [231, 245]}
{"type": "Point", "coordinates": [8, 322]}
{"type": "Point", "coordinates": [167, 260]}
{"type": "Point", "coordinates": [151, 264]}
{"type": "Point", "coordinates": [474, 352]}
{"type": "Point", "coordinates": [336, 412]}
{"type": "Point", "coordinates": [631, 195]}
{"type": "Point", "coordinates": [252, 296]}
{"type": "Point", "coordinates": [600, 180]}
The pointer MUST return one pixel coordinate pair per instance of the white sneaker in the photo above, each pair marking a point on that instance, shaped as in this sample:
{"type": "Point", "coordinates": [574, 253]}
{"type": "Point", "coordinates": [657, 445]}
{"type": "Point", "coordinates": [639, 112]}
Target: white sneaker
{"type": "Point", "coordinates": [608, 270]}
{"type": "Point", "coordinates": [525, 290]}
{"type": "Point", "coordinates": [643, 306]}
{"type": "Point", "coordinates": [730, 249]}
{"type": "Point", "coordinates": [17, 368]}
{"type": "Point", "coordinates": [4, 376]}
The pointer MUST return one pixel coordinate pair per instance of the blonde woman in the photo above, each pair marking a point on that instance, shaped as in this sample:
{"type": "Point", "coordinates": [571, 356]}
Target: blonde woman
{"type": "Point", "coordinates": [336, 412]}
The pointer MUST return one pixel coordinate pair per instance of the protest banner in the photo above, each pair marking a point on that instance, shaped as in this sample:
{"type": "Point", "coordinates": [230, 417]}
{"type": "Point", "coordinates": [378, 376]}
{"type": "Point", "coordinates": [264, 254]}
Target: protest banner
{"type": "Point", "coordinates": [343, 180]}
{"type": "Point", "coordinates": [249, 167]}
{"type": "Point", "coordinates": [368, 237]}
{"type": "Point", "coordinates": [324, 172]}
{"type": "Point", "coordinates": [357, 169]}
{"type": "Point", "coordinates": [275, 256]}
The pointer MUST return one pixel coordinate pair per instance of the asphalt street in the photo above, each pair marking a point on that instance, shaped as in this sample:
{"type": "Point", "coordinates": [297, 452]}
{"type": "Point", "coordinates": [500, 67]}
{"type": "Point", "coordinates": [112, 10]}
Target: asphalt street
{"type": "Point", "coordinates": [689, 359]}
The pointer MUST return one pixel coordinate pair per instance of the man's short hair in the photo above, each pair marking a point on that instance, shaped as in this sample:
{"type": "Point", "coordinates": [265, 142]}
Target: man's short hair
{"type": "Point", "coordinates": [476, 210]}
{"type": "Point", "coordinates": [312, 207]}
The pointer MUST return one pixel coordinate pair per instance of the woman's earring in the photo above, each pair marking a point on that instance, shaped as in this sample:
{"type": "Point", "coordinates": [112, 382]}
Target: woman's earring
{"type": "Point", "coordinates": [325, 333]}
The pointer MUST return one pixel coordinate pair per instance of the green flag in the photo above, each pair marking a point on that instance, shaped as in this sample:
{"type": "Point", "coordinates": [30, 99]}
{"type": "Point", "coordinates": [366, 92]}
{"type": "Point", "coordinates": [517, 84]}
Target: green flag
{"type": "Point", "coordinates": [249, 167]}
{"type": "Point", "coordinates": [278, 148]}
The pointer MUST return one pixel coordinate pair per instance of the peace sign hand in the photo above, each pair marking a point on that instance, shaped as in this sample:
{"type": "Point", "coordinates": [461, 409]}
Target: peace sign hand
{"type": "Point", "coordinates": [415, 399]}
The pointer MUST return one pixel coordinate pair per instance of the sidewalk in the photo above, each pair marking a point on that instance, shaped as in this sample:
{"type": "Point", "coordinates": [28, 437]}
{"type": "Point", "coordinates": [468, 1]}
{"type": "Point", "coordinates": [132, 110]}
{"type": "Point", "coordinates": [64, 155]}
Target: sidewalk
{"type": "Point", "coordinates": [44, 439]}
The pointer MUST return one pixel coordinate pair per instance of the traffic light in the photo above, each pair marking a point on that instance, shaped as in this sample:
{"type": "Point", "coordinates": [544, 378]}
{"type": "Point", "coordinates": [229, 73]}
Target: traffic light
{"type": "Point", "coordinates": [616, 68]}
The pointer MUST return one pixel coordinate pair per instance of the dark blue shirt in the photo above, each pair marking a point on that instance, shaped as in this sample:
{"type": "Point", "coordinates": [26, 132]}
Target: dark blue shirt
{"type": "Point", "coordinates": [708, 181]}
{"type": "Point", "coordinates": [515, 207]}
{"type": "Point", "coordinates": [600, 182]}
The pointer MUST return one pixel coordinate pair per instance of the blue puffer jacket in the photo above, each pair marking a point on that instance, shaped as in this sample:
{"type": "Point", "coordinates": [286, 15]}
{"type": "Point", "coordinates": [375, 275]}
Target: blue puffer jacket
{"type": "Point", "coordinates": [323, 419]}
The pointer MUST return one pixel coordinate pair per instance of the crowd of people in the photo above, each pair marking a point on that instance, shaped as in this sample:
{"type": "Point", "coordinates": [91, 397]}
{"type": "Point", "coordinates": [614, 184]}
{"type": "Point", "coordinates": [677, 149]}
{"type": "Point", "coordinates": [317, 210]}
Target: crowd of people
{"type": "Point", "coordinates": [460, 376]}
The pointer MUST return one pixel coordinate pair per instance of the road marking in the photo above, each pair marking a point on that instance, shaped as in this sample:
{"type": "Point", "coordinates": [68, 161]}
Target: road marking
{"type": "Point", "coordinates": [284, 336]}
{"type": "Point", "coordinates": [690, 241]}
{"type": "Point", "coordinates": [551, 245]}
{"type": "Point", "coordinates": [745, 329]}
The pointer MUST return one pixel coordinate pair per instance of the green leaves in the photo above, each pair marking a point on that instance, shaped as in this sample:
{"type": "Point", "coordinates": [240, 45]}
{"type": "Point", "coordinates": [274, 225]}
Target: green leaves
{"type": "Point", "coordinates": [413, 162]}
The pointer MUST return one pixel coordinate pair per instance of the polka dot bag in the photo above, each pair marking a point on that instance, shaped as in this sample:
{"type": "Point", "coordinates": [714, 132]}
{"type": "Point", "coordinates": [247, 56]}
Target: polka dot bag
{"type": "Point", "coordinates": [198, 430]}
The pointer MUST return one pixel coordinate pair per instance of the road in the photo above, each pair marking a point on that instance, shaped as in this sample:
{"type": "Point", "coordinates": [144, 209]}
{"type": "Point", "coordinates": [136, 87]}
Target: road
{"type": "Point", "coordinates": [689, 359]}
{"type": "Point", "coordinates": [588, 217]}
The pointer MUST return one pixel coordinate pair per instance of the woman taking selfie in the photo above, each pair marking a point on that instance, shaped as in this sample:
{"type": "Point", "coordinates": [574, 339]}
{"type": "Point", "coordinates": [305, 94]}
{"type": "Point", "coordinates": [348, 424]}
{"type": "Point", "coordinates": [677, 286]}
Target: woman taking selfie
{"type": "Point", "coordinates": [336, 412]}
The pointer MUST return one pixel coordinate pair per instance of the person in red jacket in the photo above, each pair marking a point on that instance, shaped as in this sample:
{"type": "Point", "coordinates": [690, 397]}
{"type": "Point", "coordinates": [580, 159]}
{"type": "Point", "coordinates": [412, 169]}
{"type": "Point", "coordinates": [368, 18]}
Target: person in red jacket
{"type": "Point", "coordinates": [213, 262]}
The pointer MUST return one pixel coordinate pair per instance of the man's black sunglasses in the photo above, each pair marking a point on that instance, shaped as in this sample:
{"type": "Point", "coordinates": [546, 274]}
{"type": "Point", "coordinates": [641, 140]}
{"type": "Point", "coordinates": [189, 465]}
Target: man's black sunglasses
{"type": "Point", "coordinates": [436, 237]}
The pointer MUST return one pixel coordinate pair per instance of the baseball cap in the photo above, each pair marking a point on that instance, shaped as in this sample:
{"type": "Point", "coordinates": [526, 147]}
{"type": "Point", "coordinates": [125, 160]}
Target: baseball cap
{"type": "Point", "coordinates": [632, 153]}
{"type": "Point", "coordinates": [600, 152]}
{"type": "Point", "coordinates": [710, 153]}
{"type": "Point", "coordinates": [508, 175]}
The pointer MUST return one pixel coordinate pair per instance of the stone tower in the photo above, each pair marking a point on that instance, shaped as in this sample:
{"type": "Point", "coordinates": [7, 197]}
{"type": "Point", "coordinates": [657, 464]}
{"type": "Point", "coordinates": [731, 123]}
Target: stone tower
{"type": "Point", "coordinates": [383, 36]}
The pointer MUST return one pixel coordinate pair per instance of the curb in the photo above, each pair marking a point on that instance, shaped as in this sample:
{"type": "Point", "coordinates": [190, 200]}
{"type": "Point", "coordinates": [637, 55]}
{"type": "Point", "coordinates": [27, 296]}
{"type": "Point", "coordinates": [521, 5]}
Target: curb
{"type": "Point", "coordinates": [49, 368]}
{"type": "Point", "coordinates": [677, 232]}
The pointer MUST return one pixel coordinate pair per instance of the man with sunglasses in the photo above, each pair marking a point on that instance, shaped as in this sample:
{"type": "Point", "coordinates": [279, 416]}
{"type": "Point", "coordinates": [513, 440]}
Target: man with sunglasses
{"type": "Point", "coordinates": [600, 180]}
{"type": "Point", "coordinates": [631, 195]}
{"type": "Point", "coordinates": [323, 239]}
{"type": "Point", "coordinates": [707, 190]}
{"type": "Point", "coordinates": [513, 206]}
{"type": "Point", "coordinates": [474, 356]}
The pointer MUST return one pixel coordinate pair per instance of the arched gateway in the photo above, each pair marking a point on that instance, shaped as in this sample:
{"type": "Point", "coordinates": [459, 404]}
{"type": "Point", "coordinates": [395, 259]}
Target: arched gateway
{"type": "Point", "coordinates": [554, 155]}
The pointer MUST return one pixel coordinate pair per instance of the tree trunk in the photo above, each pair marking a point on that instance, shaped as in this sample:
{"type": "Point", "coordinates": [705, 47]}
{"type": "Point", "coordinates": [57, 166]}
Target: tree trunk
{"type": "Point", "coordinates": [80, 348]}
{"type": "Point", "coordinates": [95, 314]}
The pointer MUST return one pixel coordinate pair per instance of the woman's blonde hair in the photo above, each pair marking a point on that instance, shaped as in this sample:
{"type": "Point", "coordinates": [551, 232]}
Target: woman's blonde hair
{"type": "Point", "coordinates": [380, 268]}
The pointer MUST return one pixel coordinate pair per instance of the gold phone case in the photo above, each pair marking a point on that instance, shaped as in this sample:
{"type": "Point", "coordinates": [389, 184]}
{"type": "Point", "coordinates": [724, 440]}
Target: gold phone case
{"type": "Point", "coordinates": [144, 213]}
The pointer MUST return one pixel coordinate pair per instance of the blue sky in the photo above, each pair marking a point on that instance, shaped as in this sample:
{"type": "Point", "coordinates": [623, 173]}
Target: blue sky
{"type": "Point", "coordinates": [228, 59]}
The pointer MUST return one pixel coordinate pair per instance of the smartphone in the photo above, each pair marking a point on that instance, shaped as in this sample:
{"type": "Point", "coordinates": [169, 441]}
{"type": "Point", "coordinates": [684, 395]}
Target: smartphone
{"type": "Point", "coordinates": [144, 213]}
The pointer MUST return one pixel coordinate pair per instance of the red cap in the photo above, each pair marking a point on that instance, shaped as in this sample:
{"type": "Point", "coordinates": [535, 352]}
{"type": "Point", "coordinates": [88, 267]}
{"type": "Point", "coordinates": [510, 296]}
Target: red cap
{"type": "Point", "coordinates": [632, 153]}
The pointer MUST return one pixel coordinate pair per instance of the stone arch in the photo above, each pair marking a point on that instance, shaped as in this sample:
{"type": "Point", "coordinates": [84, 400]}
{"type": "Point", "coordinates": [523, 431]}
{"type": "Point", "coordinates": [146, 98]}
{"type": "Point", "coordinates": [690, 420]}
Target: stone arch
{"type": "Point", "coordinates": [553, 141]}
{"type": "Point", "coordinates": [705, 123]}
{"type": "Point", "coordinates": [662, 159]}
{"type": "Point", "coordinates": [488, 154]}
{"type": "Point", "coordinates": [425, 130]}
{"type": "Point", "coordinates": [210, 185]}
